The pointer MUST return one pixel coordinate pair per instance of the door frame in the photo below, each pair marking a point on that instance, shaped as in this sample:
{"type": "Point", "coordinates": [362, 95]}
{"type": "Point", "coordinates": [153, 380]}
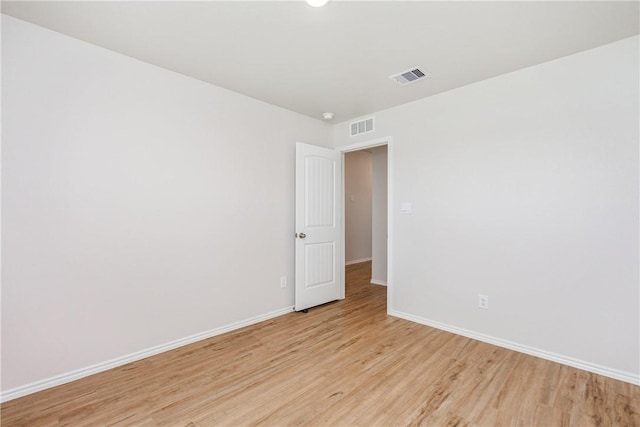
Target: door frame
{"type": "Point", "coordinates": [388, 141]}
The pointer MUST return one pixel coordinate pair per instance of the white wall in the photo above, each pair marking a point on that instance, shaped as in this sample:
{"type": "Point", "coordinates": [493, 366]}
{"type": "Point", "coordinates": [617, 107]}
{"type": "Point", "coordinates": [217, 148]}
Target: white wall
{"type": "Point", "coordinates": [357, 188]}
{"type": "Point", "coordinates": [524, 187]}
{"type": "Point", "coordinates": [139, 206]}
{"type": "Point", "coordinates": [379, 215]}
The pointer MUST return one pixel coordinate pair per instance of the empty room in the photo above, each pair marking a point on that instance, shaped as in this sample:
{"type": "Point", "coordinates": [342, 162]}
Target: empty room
{"type": "Point", "coordinates": [179, 206]}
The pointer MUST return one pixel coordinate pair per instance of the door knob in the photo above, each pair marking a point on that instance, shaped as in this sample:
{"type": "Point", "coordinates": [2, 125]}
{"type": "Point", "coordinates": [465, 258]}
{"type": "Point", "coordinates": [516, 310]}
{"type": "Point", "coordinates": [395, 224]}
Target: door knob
{"type": "Point", "coordinates": [302, 235]}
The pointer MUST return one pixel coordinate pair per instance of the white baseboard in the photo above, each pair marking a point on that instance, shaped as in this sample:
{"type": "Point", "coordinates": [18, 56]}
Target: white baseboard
{"type": "Point", "coordinates": [379, 282]}
{"type": "Point", "coordinates": [628, 377]}
{"type": "Point", "coordinates": [357, 261]}
{"type": "Point", "coordinates": [113, 363]}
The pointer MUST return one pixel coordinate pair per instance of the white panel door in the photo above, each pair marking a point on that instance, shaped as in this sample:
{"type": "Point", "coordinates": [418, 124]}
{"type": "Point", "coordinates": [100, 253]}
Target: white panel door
{"type": "Point", "coordinates": [318, 226]}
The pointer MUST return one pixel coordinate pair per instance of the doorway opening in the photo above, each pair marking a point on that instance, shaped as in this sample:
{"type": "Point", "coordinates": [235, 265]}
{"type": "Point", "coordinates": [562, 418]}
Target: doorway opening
{"type": "Point", "coordinates": [366, 210]}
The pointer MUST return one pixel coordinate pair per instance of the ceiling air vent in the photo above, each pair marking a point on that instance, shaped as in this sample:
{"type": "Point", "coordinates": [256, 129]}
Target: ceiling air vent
{"type": "Point", "coordinates": [409, 76]}
{"type": "Point", "coordinates": [362, 126]}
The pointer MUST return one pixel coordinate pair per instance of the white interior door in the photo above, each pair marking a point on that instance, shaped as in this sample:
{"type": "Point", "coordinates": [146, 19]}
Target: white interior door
{"type": "Point", "coordinates": [318, 226]}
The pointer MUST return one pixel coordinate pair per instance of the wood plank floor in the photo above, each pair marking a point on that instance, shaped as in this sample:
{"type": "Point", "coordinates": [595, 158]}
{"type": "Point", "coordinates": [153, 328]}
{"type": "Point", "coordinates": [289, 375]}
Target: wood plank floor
{"type": "Point", "coordinates": [343, 364]}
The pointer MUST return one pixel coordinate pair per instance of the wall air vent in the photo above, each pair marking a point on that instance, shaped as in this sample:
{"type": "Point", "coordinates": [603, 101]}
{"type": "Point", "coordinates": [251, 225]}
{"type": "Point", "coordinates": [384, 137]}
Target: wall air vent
{"type": "Point", "coordinates": [410, 76]}
{"type": "Point", "coordinates": [362, 126]}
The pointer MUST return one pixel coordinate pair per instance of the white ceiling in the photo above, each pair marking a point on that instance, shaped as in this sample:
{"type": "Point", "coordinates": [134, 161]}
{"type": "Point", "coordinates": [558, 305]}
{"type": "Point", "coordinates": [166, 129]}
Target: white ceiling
{"type": "Point", "coordinates": [338, 58]}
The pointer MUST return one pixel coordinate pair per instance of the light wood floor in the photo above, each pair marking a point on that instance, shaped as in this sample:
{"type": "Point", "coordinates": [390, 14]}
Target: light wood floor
{"type": "Point", "coordinates": [342, 364]}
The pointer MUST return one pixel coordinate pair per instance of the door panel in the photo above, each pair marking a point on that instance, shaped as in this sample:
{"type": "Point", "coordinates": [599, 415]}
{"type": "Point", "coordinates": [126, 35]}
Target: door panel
{"type": "Point", "coordinates": [319, 192]}
{"type": "Point", "coordinates": [318, 226]}
{"type": "Point", "coordinates": [319, 262]}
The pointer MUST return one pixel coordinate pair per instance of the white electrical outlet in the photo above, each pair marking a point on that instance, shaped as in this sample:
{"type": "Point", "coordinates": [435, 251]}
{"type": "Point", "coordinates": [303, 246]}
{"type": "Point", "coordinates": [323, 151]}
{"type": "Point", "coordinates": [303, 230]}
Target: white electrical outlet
{"type": "Point", "coordinates": [283, 281]}
{"type": "Point", "coordinates": [483, 302]}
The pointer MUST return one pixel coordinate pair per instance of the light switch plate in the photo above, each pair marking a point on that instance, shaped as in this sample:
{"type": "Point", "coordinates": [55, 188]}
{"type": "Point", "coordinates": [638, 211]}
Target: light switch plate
{"type": "Point", "coordinates": [406, 207]}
